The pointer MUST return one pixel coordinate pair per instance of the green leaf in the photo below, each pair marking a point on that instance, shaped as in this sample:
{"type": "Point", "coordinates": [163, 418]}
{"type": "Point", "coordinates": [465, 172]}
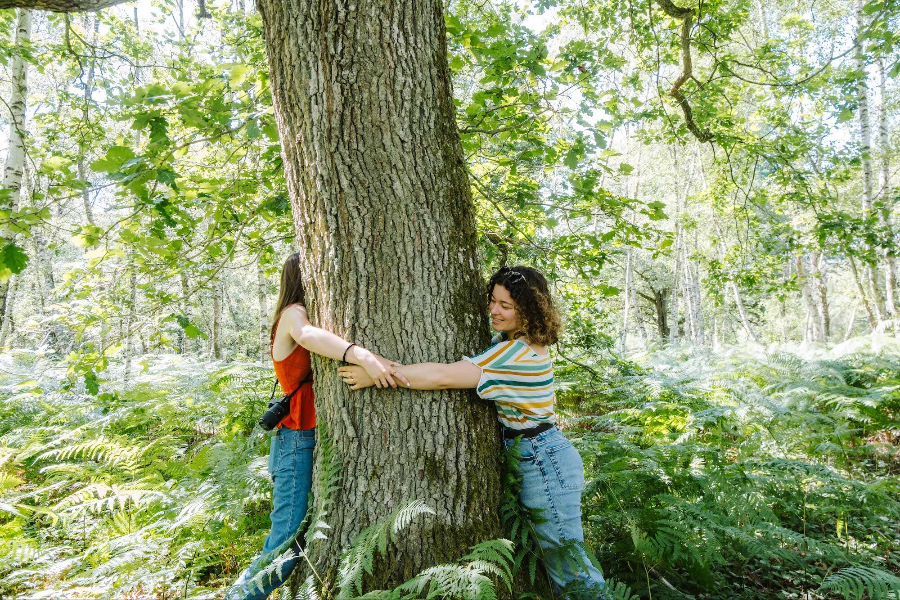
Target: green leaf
{"type": "Point", "coordinates": [13, 258]}
{"type": "Point", "coordinates": [625, 168]}
{"type": "Point", "coordinates": [167, 176]}
{"type": "Point", "coordinates": [91, 383]}
{"type": "Point", "coordinates": [845, 115]}
{"type": "Point", "coordinates": [571, 159]}
{"type": "Point", "coordinates": [115, 157]}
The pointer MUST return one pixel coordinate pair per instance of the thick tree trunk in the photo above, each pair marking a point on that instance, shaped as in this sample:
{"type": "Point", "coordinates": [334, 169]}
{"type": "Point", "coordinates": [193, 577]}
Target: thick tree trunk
{"type": "Point", "coordinates": [15, 157]}
{"type": "Point", "coordinates": [385, 226]}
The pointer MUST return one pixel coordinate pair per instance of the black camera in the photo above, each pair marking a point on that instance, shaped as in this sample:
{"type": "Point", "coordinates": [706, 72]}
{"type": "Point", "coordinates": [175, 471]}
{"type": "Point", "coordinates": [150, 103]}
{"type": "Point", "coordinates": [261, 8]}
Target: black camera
{"type": "Point", "coordinates": [277, 411]}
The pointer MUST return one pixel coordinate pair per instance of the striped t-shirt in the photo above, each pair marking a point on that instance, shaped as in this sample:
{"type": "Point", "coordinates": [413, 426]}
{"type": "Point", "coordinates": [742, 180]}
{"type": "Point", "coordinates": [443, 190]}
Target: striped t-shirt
{"type": "Point", "coordinates": [519, 382]}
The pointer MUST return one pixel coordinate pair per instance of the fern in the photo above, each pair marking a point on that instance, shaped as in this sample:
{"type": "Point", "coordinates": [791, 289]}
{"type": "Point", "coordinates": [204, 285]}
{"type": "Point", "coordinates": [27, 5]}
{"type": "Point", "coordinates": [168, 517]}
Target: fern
{"type": "Point", "coordinates": [855, 582]}
{"type": "Point", "coordinates": [358, 558]}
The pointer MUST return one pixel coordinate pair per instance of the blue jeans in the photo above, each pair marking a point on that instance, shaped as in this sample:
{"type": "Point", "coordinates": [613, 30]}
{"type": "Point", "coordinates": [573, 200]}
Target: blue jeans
{"type": "Point", "coordinates": [290, 467]}
{"type": "Point", "coordinates": [552, 482]}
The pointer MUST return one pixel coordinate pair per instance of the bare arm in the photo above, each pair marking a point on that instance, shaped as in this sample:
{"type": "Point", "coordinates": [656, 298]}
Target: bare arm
{"type": "Point", "coordinates": [422, 376]}
{"type": "Point", "coordinates": [324, 343]}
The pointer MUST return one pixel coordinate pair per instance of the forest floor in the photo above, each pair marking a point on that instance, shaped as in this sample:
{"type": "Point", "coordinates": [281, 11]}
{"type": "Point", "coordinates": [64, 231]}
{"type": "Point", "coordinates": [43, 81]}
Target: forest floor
{"type": "Point", "coordinates": [737, 473]}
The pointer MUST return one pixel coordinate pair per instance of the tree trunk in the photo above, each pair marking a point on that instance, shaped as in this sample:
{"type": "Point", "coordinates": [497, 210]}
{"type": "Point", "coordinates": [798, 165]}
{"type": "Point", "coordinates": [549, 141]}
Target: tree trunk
{"type": "Point", "coordinates": [676, 284]}
{"type": "Point", "coordinates": [626, 310]}
{"type": "Point", "coordinates": [808, 301]}
{"type": "Point", "coordinates": [870, 314]}
{"type": "Point", "coordinates": [385, 224]}
{"type": "Point", "coordinates": [215, 350]}
{"type": "Point", "coordinates": [185, 342]}
{"type": "Point", "coordinates": [8, 325]}
{"type": "Point", "coordinates": [865, 143]}
{"type": "Point", "coordinates": [85, 118]}
{"type": "Point", "coordinates": [263, 313]}
{"type": "Point", "coordinates": [817, 275]}
{"type": "Point", "coordinates": [129, 321]}
{"type": "Point", "coordinates": [884, 200]}
{"type": "Point", "coordinates": [15, 157]}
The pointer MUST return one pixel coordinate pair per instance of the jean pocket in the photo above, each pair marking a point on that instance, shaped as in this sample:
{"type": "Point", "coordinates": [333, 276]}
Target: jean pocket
{"type": "Point", "coordinates": [522, 449]}
{"type": "Point", "coordinates": [568, 466]}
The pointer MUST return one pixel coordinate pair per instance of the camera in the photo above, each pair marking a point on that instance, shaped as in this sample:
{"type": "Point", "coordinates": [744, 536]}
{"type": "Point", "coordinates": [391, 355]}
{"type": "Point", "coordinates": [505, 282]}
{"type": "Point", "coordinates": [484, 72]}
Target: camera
{"type": "Point", "coordinates": [277, 410]}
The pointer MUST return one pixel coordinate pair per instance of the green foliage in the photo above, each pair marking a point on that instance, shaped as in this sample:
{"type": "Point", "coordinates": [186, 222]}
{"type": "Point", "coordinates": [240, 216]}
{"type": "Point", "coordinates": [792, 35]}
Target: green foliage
{"type": "Point", "coordinates": [855, 582]}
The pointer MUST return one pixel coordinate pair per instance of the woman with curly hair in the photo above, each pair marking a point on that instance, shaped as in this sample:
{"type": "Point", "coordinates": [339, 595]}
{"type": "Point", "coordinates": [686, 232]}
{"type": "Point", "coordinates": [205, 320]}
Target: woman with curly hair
{"type": "Point", "coordinates": [516, 373]}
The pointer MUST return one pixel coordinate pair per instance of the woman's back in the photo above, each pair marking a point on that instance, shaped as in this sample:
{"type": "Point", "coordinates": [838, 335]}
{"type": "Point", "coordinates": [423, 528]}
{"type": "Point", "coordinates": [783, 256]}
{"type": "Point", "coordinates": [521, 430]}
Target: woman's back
{"type": "Point", "coordinates": [293, 367]}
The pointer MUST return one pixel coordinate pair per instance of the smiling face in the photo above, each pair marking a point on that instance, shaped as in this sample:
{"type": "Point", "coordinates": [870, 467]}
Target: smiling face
{"type": "Point", "coordinates": [503, 310]}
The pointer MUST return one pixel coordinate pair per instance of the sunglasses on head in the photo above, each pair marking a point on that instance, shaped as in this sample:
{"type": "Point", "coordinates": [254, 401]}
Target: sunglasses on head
{"type": "Point", "coordinates": [511, 277]}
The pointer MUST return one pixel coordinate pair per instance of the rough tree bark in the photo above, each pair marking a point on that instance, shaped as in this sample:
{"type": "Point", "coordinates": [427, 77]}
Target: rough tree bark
{"type": "Point", "coordinates": [385, 226]}
{"type": "Point", "coordinates": [15, 157]}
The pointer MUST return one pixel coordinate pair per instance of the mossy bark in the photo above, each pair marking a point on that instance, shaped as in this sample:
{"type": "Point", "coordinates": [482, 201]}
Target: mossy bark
{"type": "Point", "coordinates": [385, 224]}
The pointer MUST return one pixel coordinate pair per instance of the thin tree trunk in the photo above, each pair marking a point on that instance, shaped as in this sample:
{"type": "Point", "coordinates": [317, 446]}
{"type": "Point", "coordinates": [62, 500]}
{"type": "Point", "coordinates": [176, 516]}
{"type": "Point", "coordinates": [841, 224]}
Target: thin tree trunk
{"type": "Point", "coordinates": [884, 200]}
{"type": "Point", "coordinates": [214, 341]}
{"type": "Point", "coordinates": [852, 321]}
{"type": "Point", "coordinates": [626, 310]}
{"type": "Point", "coordinates": [823, 313]}
{"type": "Point", "coordinates": [676, 283]}
{"type": "Point", "coordinates": [738, 301]}
{"type": "Point", "coordinates": [865, 139]}
{"type": "Point", "coordinates": [185, 294]}
{"type": "Point", "coordinates": [870, 314]}
{"type": "Point", "coordinates": [8, 326]}
{"type": "Point", "coordinates": [369, 140]}
{"type": "Point", "coordinates": [808, 301]}
{"type": "Point", "coordinates": [263, 313]}
{"type": "Point", "coordinates": [86, 125]}
{"type": "Point", "coordinates": [15, 157]}
{"type": "Point", "coordinates": [129, 321]}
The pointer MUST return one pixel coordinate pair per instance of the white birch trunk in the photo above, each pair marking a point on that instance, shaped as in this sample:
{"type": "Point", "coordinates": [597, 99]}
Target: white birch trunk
{"type": "Point", "coordinates": [15, 158]}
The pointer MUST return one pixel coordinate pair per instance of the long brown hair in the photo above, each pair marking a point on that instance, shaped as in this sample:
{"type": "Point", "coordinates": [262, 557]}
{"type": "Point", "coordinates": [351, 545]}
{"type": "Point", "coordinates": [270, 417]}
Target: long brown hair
{"type": "Point", "coordinates": [539, 320]}
{"type": "Point", "coordinates": [291, 291]}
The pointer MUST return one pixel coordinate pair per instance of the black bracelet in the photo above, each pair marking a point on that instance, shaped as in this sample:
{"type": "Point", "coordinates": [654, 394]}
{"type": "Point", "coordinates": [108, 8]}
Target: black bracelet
{"type": "Point", "coordinates": [344, 358]}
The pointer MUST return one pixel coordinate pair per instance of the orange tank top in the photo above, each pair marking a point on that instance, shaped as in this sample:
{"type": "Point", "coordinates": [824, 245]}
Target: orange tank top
{"type": "Point", "coordinates": [290, 371]}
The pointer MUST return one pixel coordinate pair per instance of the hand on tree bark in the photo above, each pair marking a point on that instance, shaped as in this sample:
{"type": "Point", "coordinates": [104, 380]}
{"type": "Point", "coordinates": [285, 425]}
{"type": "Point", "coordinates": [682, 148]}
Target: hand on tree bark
{"type": "Point", "coordinates": [356, 377]}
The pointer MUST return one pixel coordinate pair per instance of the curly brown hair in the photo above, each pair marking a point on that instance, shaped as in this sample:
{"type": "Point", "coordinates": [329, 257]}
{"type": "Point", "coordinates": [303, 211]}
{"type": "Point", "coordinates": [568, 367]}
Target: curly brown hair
{"type": "Point", "coordinates": [539, 321]}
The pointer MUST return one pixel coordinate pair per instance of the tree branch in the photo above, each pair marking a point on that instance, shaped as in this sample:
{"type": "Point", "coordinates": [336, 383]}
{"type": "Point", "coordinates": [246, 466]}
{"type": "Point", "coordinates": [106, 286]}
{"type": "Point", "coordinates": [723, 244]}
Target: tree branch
{"type": "Point", "coordinates": [686, 15]}
{"type": "Point", "coordinates": [61, 6]}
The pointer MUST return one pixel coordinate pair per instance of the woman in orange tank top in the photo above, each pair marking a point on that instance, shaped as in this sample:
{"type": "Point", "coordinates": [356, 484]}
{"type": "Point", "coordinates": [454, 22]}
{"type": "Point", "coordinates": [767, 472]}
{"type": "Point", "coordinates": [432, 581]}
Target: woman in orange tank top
{"type": "Point", "coordinates": [293, 441]}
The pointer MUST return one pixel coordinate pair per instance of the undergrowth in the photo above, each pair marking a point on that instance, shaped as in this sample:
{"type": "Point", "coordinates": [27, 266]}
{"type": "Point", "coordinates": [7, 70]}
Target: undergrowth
{"type": "Point", "coordinates": [710, 475]}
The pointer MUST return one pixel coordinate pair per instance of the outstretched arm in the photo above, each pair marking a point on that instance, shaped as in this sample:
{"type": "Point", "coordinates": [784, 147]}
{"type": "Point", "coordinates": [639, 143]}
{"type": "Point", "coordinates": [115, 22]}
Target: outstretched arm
{"type": "Point", "coordinates": [324, 343]}
{"type": "Point", "coordinates": [421, 376]}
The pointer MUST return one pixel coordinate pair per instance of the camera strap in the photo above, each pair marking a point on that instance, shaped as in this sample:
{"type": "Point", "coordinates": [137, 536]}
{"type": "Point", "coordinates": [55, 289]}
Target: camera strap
{"type": "Point", "coordinates": [300, 385]}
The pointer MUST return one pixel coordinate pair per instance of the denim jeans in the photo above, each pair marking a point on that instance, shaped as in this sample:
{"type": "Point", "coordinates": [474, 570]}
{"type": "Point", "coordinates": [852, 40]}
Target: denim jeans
{"type": "Point", "coordinates": [552, 481]}
{"type": "Point", "coordinates": [290, 467]}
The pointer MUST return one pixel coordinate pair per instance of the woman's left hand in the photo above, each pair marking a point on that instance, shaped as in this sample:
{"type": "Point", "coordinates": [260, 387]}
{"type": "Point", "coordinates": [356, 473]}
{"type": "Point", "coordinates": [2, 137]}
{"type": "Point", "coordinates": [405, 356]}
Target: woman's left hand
{"type": "Point", "coordinates": [356, 377]}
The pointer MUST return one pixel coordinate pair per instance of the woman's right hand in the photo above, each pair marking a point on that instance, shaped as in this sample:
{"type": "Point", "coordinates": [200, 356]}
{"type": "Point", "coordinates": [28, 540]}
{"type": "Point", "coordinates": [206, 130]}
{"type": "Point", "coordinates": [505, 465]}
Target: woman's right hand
{"type": "Point", "coordinates": [381, 370]}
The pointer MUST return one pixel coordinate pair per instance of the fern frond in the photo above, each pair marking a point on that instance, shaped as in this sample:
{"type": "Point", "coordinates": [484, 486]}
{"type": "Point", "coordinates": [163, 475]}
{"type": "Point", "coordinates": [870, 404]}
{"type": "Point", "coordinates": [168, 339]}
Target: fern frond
{"type": "Point", "coordinates": [854, 582]}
